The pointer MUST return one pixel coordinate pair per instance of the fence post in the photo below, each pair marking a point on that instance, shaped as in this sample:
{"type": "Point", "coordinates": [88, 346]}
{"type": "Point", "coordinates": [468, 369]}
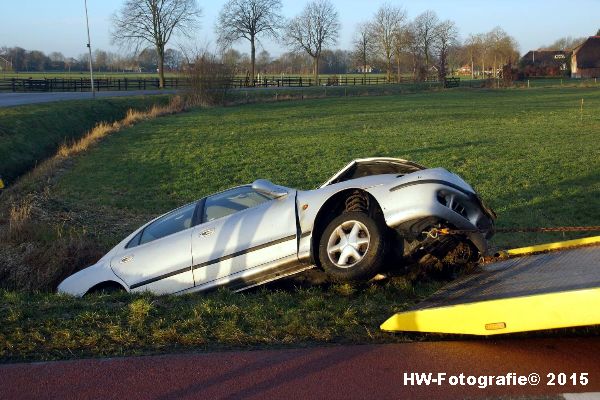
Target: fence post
{"type": "Point", "coordinates": [13, 84]}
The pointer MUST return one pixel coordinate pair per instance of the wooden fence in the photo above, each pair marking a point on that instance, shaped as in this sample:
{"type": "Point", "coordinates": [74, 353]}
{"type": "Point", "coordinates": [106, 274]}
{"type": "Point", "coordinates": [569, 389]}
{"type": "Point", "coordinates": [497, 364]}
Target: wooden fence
{"type": "Point", "coordinates": [118, 84]}
{"type": "Point", "coordinates": [84, 85]}
{"type": "Point", "coordinates": [332, 80]}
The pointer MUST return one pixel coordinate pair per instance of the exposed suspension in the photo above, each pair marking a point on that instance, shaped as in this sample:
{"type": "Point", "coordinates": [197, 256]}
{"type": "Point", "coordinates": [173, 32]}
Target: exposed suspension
{"type": "Point", "coordinates": [358, 202]}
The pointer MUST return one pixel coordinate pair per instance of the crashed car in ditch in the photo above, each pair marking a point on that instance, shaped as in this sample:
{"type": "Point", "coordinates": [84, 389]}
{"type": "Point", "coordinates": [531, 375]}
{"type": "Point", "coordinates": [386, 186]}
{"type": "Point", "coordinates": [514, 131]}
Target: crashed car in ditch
{"type": "Point", "coordinates": [253, 234]}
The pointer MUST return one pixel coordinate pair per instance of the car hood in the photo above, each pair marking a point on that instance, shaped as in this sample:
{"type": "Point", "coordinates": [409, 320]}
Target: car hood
{"type": "Point", "coordinates": [373, 166]}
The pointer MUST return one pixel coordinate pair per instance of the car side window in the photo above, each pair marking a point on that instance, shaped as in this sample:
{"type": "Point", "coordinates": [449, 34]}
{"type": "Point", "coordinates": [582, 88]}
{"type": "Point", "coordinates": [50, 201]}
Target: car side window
{"type": "Point", "coordinates": [176, 221]}
{"type": "Point", "coordinates": [223, 204]}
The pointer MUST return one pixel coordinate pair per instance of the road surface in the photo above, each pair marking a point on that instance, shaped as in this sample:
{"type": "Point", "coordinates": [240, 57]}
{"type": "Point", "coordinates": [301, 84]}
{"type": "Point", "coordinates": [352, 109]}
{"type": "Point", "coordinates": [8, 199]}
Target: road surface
{"type": "Point", "coordinates": [339, 372]}
{"type": "Point", "coordinates": [18, 99]}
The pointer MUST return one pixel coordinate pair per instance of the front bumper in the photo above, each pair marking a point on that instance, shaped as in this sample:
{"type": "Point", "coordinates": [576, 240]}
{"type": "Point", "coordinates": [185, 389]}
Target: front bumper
{"type": "Point", "coordinates": [414, 206]}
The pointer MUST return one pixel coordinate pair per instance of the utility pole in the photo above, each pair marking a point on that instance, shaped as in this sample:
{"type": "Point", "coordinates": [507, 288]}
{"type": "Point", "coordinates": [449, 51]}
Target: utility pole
{"type": "Point", "coordinates": [89, 46]}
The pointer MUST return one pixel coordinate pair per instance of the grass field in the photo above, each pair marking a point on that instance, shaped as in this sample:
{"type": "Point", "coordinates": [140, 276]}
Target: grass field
{"type": "Point", "coordinates": [532, 154]}
{"type": "Point", "coordinates": [29, 134]}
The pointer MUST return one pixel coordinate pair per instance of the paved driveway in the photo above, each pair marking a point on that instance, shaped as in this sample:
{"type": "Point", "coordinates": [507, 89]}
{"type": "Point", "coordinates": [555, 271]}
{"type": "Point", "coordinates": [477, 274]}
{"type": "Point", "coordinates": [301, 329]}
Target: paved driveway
{"type": "Point", "coordinates": [339, 372]}
{"type": "Point", "coordinates": [17, 99]}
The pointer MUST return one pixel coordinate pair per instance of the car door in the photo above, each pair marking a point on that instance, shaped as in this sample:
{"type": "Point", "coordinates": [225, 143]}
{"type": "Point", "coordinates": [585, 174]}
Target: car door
{"type": "Point", "coordinates": [242, 230]}
{"type": "Point", "coordinates": [159, 258]}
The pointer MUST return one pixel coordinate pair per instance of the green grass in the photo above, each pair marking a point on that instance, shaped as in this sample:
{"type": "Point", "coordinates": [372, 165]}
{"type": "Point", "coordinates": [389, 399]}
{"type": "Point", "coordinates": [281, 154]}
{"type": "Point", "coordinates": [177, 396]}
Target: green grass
{"type": "Point", "coordinates": [30, 134]}
{"type": "Point", "coordinates": [531, 153]}
{"type": "Point", "coordinates": [45, 326]}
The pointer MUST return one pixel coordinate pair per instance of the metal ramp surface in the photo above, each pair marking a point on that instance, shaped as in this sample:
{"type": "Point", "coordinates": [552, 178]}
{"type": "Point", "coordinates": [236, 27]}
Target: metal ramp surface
{"type": "Point", "coordinates": [534, 292]}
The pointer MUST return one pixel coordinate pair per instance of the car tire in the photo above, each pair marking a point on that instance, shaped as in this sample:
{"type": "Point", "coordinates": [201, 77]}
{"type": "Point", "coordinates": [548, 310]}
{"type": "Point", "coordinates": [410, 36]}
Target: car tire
{"type": "Point", "coordinates": [106, 288]}
{"type": "Point", "coordinates": [352, 247]}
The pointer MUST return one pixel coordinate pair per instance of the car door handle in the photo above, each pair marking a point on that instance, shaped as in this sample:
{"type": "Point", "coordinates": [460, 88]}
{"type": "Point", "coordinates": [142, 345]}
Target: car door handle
{"type": "Point", "coordinates": [206, 232]}
{"type": "Point", "coordinates": [126, 259]}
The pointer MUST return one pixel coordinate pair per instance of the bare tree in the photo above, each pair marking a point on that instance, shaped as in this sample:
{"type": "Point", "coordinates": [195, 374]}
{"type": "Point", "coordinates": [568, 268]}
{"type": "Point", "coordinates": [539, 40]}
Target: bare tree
{"type": "Point", "coordinates": [209, 78]}
{"type": "Point", "coordinates": [362, 46]}
{"type": "Point", "coordinates": [425, 25]}
{"type": "Point", "coordinates": [564, 43]}
{"type": "Point", "coordinates": [473, 47]}
{"type": "Point", "coordinates": [142, 22]}
{"type": "Point", "coordinates": [385, 27]}
{"type": "Point", "coordinates": [502, 48]}
{"type": "Point", "coordinates": [446, 36]}
{"type": "Point", "coordinates": [314, 29]}
{"type": "Point", "coordinates": [247, 19]}
{"type": "Point", "coordinates": [413, 48]}
{"type": "Point", "coordinates": [403, 39]}
{"type": "Point", "coordinates": [484, 51]}
{"type": "Point", "coordinates": [263, 61]}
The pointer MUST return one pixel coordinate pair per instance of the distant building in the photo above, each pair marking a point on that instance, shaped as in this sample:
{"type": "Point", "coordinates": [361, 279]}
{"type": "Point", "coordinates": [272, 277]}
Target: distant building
{"type": "Point", "coordinates": [464, 70]}
{"type": "Point", "coordinates": [365, 69]}
{"type": "Point", "coordinates": [585, 62]}
{"type": "Point", "coordinates": [545, 63]}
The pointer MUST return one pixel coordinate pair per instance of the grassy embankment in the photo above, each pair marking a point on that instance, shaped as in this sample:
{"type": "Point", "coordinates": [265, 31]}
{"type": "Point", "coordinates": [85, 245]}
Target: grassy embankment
{"type": "Point", "coordinates": [532, 154]}
{"type": "Point", "coordinates": [30, 134]}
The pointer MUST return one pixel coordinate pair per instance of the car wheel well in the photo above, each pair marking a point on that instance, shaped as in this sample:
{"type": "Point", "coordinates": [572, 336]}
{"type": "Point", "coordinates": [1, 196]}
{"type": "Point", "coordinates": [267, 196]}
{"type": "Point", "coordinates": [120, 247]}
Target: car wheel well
{"type": "Point", "coordinates": [106, 287]}
{"type": "Point", "coordinates": [349, 200]}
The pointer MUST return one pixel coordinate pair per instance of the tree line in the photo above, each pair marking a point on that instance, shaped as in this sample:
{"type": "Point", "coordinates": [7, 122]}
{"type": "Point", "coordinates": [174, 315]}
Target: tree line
{"type": "Point", "coordinates": [388, 39]}
{"type": "Point", "coordinates": [21, 60]}
{"type": "Point", "coordinates": [387, 42]}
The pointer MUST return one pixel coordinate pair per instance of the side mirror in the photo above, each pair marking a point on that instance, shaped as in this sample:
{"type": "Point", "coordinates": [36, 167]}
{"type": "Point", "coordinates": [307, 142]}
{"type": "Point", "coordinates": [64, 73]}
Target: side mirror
{"type": "Point", "coordinates": [268, 188]}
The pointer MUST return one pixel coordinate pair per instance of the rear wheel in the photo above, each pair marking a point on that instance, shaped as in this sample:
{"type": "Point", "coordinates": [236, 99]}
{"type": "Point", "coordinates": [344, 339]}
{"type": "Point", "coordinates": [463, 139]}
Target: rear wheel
{"type": "Point", "coordinates": [106, 288]}
{"type": "Point", "coordinates": [352, 247]}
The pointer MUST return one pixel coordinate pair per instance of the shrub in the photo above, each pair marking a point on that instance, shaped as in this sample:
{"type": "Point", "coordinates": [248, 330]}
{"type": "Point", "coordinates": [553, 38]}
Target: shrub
{"type": "Point", "coordinates": [210, 80]}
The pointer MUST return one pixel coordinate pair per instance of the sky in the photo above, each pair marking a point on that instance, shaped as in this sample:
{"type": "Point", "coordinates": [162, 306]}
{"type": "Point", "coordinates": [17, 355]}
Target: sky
{"type": "Point", "coordinates": [59, 25]}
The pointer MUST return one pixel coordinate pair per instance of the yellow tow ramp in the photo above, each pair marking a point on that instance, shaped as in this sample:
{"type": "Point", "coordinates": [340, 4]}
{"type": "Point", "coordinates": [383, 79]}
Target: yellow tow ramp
{"type": "Point", "coordinates": [534, 292]}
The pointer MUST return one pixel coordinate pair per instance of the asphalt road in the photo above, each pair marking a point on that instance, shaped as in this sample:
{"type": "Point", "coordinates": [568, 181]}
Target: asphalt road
{"type": "Point", "coordinates": [18, 99]}
{"type": "Point", "coordinates": [340, 372]}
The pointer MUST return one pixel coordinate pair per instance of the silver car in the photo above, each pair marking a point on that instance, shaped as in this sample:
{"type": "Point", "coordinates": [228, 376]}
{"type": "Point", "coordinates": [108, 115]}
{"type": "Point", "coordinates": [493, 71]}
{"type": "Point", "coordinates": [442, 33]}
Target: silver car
{"type": "Point", "coordinates": [253, 234]}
